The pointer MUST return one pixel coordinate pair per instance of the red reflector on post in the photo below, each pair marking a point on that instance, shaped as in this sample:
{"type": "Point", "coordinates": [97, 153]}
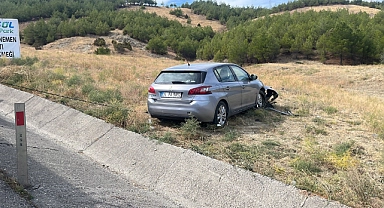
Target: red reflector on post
{"type": "Point", "coordinates": [20, 118]}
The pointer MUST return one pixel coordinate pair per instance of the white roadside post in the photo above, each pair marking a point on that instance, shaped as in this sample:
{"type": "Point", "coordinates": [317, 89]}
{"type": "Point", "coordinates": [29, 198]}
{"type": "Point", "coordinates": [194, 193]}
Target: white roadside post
{"type": "Point", "coordinates": [21, 144]}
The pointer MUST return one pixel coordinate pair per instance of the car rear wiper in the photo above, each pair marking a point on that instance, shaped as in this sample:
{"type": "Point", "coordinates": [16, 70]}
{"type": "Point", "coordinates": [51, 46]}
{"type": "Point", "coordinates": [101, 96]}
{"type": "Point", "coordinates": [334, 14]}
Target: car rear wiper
{"type": "Point", "coordinates": [178, 82]}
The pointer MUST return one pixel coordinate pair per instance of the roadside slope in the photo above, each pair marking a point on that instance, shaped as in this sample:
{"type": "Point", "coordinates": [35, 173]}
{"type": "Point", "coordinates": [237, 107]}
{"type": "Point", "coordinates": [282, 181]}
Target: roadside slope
{"type": "Point", "coordinates": [182, 175]}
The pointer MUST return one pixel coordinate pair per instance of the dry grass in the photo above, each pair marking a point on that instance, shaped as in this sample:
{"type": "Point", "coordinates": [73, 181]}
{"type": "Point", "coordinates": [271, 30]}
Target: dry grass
{"type": "Point", "coordinates": [131, 74]}
{"type": "Point", "coordinates": [351, 8]}
{"type": "Point", "coordinates": [343, 104]}
{"type": "Point", "coordinates": [195, 19]}
{"type": "Point", "coordinates": [338, 107]}
{"type": "Point", "coordinates": [333, 147]}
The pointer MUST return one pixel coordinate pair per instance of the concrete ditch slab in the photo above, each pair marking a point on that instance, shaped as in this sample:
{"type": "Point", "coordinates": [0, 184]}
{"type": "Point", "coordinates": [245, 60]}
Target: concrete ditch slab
{"type": "Point", "coordinates": [76, 129]}
{"type": "Point", "coordinates": [142, 160]}
{"type": "Point", "coordinates": [9, 96]}
{"type": "Point", "coordinates": [43, 111]}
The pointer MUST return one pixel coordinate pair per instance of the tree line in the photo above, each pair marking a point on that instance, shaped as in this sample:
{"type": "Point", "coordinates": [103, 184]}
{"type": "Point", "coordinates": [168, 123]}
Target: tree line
{"type": "Point", "coordinates": [28, 10]}
{"type": "Point", "coordinates": [326, 34]}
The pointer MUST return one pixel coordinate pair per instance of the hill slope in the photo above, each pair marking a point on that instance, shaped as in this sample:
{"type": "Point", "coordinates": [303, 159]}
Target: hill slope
{"type": "Point", "coordinates": [196, 19]}
{"type": "Point", "coordinates": [350, 8]}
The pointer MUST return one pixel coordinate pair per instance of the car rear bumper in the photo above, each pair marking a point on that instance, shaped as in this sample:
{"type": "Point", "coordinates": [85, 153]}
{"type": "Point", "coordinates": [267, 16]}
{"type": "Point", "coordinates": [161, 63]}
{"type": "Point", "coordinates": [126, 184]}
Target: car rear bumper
{"type": "Point", "coordinates": [202, 110]}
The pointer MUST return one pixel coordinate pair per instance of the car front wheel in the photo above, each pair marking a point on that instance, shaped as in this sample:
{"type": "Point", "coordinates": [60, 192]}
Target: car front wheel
{"type": "Point", "coordinates": [260, 100]}
{"type": "Point", "coordinates": [221, 114]}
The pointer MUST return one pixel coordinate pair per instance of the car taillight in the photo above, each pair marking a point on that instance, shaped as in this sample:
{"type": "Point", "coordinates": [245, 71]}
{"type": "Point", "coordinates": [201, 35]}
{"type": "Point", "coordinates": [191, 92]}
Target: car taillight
{"type": "Point", "coordinates": [151, 90]}
{"type": "Point", "coordinates": [203, 90]}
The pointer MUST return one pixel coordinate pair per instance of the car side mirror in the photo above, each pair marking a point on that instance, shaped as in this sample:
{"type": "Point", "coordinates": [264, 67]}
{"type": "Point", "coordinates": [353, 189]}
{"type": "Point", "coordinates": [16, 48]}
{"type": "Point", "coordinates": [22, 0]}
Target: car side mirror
{"type": "Point", "coordinates": [253, 77]}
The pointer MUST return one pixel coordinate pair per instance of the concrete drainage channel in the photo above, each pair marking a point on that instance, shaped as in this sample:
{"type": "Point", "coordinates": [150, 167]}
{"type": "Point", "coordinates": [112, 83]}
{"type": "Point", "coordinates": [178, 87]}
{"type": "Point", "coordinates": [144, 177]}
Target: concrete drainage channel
{"type": "Point", "coordinates": [191, 179]}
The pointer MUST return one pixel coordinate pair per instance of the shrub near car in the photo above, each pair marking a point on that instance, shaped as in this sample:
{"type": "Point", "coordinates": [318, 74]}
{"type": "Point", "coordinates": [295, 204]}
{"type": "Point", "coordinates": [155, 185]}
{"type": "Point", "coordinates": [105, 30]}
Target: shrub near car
{"type": "Point", "coordinates": [210, 92]}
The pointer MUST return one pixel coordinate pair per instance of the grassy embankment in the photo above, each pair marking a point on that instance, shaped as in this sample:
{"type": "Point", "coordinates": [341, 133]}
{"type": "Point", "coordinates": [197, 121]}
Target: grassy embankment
{"type": "Point", "coordinates": [332, 147]}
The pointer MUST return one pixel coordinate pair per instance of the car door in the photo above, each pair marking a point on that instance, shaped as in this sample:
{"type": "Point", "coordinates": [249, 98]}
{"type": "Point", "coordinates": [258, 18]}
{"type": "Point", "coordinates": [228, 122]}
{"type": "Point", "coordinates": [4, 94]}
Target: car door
{"type": "Point", "coordinates": [231, 88]}
{"type": "Point", "coordinates": [249, 90]}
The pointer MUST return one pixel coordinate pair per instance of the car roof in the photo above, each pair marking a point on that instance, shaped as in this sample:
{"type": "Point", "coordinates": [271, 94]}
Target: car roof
{"type": "Point", "coordinates": [196, 66]}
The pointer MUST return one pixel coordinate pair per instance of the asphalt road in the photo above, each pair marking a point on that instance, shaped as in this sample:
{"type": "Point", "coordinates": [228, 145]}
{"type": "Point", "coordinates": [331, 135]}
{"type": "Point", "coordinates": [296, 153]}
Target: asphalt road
{"type": "Point", "coordinates": [61, 177]}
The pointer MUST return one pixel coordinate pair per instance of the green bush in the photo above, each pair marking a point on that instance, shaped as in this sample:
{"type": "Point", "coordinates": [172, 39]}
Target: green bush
{"type": "Point", "coordinates": [167, 138]}
{"type": "Point", "coordinates": [330, 110]}
{"type": "Point", "coordinates": [51, 75]}
{"type": "Point", "coordinates": [219, 56]}
{"type": "Point", "coordinates": [139, 127]}
{"type": "Point", "coordinates": [15, 79]}
{"type": "Point", "coordinates": [187, 49]}
{"type": "Point", "coordinates": [119, 47]}
{"type": "Point", "coordinates": [270, 143]}
{"type": "Point", "coordinates": [115, 114]}
{"type": "Point", "coordinates": [306, 166]}
{"type": "Point", "coordinates": [108, 96]}
{"type": "Point", "coordinates": [99, 42]}
{"type": "Point", "coordinates": [190, 129]}
{"type": "Point", "coordinates": [177, 12]}
{"type": "Point", "coordinates": [230, 136]}
{"type": "Point", "coordinates": [103, 51]}
{"type": "Point", "coordinates": [127, 45]}
{"type": "Point", "coordinates": [27, 61]}
{"type": "Point", "coordinates": [243, 155]}
{"type": "Point", "coordinates": [157, 45]}
{"type": "Point", "coordinates": [87, 88]}
{"type": "Point", "coordinates": [75, 80]}
{"type": "Point", "coordinates": [342, 148]}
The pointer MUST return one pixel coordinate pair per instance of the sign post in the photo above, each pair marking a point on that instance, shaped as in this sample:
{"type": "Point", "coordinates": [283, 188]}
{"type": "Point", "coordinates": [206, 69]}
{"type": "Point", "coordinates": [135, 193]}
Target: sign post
{"type": "Point", "coordinates": [21, 144]}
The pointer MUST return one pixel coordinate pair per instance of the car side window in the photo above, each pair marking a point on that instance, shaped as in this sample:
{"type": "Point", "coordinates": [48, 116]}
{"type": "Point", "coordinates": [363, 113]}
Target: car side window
{"type": "Point", "coordinates": [240, 73]}
{"type": "Point", "coordinates": [224, 74]}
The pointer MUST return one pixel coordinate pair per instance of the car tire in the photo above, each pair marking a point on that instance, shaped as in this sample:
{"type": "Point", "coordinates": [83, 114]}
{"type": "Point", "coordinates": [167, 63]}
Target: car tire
{"type": "Point", "coordinates": [221, 114]}
{"type": "Point", "coordinates": [260, 100]}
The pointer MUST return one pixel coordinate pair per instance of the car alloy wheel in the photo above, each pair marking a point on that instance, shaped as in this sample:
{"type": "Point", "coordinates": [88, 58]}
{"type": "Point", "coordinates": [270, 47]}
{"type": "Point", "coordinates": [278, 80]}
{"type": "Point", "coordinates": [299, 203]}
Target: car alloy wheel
{"type": "Point", "coordinates": [260, 100]}
{"type": "Point", "coordinates": [221, 114]}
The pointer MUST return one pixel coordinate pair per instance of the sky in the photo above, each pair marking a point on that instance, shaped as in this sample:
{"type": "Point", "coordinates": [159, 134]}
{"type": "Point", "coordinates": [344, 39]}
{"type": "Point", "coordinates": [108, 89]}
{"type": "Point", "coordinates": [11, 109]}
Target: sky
{"type": "Point", "coordinates": [232, 3]}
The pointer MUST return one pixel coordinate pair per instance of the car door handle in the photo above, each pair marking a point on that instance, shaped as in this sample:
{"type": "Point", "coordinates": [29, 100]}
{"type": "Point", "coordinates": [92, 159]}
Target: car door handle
{"type": "Point", "coordinates": [243, 86]}
{"type": "Point", "coordinates": [227, 88]}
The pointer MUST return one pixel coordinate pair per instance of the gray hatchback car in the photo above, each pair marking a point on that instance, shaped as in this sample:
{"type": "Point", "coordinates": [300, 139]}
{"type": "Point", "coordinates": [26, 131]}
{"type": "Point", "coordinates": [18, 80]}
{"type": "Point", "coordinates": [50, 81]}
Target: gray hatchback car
{"type": "Point", "coordinates": [210, 92]}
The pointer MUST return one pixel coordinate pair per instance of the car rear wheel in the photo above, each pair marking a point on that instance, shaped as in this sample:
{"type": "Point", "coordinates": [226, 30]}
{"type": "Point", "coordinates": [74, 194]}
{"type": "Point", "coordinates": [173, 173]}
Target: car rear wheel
{"type": "Point", "coordinates": [260, 100]}
{"type": "Point", "coordinates": [221, 114]}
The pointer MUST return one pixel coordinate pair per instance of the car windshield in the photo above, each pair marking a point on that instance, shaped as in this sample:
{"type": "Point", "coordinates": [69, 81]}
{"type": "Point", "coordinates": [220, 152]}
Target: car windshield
{"type": "Point", "coordinates": [180, 77]}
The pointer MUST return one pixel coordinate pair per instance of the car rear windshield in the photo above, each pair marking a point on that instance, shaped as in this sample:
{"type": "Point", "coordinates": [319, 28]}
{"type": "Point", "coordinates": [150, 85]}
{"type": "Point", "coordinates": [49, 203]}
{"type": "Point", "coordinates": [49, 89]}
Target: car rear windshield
{"type": "Point", "coordinates": [180, 77]}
